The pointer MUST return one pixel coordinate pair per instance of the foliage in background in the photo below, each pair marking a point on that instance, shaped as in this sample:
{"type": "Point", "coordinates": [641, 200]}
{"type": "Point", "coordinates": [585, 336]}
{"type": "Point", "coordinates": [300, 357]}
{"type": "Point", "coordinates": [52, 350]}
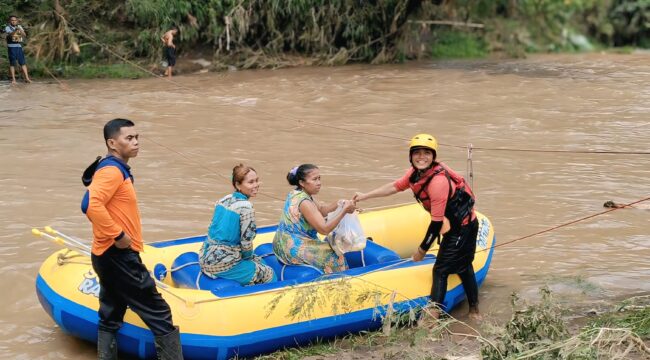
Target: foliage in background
{"type": "Point", "coordinates": [274, 33]}
{"type": "Point", "coordinates": [457, 45]}
{"type": "Point", "coordinates": [633, 314]}
{"type": "Point", "coordinates": [516, 27]}
{"type": "Point", "coordinates": [330, 32]}
{"type": "Point", "coordinates": [631, 23]}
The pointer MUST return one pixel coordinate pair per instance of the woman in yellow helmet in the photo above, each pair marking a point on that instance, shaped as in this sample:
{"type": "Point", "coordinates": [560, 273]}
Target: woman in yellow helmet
{"type": "Point", "coordinates": [450, 201]}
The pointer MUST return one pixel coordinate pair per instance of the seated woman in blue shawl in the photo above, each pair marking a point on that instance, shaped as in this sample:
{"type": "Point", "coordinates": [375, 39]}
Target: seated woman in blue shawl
{"type": "Point", "coordinates": [228, 249]}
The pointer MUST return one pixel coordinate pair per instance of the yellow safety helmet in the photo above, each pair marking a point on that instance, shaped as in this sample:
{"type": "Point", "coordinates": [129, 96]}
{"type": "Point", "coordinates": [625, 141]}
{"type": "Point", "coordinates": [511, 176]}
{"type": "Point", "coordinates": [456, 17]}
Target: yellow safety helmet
{"type": "Point", "coordinates": [424, 141]}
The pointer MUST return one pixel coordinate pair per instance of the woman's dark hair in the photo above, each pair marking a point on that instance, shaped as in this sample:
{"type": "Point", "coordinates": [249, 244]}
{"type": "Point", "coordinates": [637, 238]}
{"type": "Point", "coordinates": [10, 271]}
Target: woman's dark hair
{"type": "Point", "coordinates": [113, 127]}
{"type": "Point", "coordinates": [299, 173]}
{"type": "Point", "coordinates": [239, 172]}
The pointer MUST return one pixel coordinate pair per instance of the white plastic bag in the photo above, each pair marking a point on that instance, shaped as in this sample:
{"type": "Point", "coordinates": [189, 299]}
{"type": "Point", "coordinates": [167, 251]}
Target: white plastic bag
{"type": "Point", "coordinates": [348, 235]}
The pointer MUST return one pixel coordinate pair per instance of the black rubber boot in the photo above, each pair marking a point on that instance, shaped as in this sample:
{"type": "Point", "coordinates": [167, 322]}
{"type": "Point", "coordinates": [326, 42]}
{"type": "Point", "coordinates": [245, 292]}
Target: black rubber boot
{"type": "Point", "coordinates": [106, 345]}
{"type": "Point", "coordinates": [168, 346]}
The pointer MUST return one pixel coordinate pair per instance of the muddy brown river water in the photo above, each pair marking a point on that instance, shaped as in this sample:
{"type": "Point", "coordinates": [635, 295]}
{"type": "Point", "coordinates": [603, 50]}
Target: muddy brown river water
{"type": "Point", "coordinates": [354, 122]}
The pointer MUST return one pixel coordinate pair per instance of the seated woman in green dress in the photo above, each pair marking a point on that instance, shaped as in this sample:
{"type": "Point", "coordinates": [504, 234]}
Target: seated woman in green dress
{"type": "Point", "coordinates": [228, 249]}
{"type": "Point", "coordinates": [296, 241]}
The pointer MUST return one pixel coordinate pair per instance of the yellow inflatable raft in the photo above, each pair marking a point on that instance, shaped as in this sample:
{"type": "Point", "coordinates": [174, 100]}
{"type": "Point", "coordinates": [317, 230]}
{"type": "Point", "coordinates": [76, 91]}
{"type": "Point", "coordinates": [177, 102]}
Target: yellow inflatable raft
{"type": "Point", "coordinates": [220, 319]}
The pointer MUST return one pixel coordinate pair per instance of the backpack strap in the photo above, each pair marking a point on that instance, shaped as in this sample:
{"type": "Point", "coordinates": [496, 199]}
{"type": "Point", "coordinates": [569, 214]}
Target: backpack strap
{"type": "Point", "coordinates": [99, 163]}
{"type": "Point", "coordinates": [88, 174]}
{"type": "Point", "coordinates": [449, 180]}
{"type": "Point", "coordinates": [439, 238]}
{"type": "Point", "coordinates": [112, 161]}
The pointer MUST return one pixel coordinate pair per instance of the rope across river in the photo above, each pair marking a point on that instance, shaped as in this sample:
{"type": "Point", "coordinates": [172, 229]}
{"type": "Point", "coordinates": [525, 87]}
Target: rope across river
{"type": "Point", "coordinates": [84, 249]}
{"type": "Point", "coordinates": [314, 123]}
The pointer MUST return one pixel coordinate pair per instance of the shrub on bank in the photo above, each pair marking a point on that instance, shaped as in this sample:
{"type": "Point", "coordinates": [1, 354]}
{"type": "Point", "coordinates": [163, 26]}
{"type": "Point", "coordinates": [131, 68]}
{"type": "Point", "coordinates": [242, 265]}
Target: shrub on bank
{"type": "Point", "coordinates": [276, 33]}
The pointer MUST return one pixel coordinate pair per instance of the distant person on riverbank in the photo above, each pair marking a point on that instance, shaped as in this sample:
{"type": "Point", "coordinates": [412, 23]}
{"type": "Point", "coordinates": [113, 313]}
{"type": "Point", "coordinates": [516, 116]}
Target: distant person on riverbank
{"type": "Point", "coordinates": [170, 49]}
{"type": "Point", "coordinates": [448, 198]}
{"type": "Point", "coordinates": [112, 207]}
{"type": "Point", "coordinates": [227, 251]}
{"type": "Point", "coordinates": [15, 37]}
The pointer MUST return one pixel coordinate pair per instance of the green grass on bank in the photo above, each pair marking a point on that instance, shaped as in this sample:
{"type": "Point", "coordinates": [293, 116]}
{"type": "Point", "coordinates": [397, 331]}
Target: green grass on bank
{"type": "Point", "coordinates": [635, 318]}
{"type": "Point", "coordinates": [81, 70]}
{"type": "Point", "coordinates": [66, 71]}
{"type": "Point", "coordinates": [458, 45]}
{"type": "Point", "coordinates": [89, 71]}
{"type": "Point", "coordinates": [448, 45]}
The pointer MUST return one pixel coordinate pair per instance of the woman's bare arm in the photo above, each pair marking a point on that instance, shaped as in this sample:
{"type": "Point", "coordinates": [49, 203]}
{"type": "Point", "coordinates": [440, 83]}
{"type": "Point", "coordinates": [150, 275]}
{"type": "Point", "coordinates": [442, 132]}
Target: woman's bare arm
{"type": "Point", "coordinates": [314, 217]}
{"type": "Point", "coordinates": [325, 208]}
{"type": "Point", "coordinates": [382, 191]}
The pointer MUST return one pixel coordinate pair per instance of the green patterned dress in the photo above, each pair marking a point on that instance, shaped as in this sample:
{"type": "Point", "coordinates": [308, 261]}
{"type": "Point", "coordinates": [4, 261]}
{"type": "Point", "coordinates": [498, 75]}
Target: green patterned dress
{"type": "Point", "coordinates": [296, 241]}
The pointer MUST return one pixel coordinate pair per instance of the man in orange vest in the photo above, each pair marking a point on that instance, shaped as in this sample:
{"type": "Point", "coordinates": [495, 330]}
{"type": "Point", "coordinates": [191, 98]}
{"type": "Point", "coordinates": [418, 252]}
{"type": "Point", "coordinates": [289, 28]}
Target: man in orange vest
{"type": "Point", "coordinates": [111, 206]}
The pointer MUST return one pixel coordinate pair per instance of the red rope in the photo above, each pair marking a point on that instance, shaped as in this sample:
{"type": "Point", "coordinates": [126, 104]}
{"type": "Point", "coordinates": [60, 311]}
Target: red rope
{"type": "Point", "coordinates": [564, 224]}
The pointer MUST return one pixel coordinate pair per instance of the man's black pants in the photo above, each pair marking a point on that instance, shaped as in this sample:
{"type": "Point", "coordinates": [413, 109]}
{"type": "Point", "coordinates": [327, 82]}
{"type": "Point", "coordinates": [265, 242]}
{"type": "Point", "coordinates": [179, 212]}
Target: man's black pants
{"type": "Point", "coordinates": [124, 282]}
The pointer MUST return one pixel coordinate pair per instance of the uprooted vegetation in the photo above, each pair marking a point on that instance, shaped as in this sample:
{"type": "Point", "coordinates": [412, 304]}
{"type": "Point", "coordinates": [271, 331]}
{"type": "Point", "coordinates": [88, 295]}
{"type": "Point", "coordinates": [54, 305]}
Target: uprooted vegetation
{"type": "Point", "coordinates": [538, 330]}
{"type": "Point", "coordinates": [246, 34]}
{"type": "Point", "coordinates": [275, 33]}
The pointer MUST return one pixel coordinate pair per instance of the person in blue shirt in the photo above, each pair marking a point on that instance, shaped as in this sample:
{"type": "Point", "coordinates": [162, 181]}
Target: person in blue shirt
{"type": "Point", "coordinates": [15, 35]}
{"type": "Point", "coordinates": [227, 252]}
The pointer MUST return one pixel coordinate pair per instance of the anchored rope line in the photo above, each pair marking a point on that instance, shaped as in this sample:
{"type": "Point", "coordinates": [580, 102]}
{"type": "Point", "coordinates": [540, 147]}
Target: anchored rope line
{"type": "Point", "coordinates": [602, 152]}
{"type": "Point", "coordinates": [62, 84]}
{"type": "Point", "coordinates": [563, 225]}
